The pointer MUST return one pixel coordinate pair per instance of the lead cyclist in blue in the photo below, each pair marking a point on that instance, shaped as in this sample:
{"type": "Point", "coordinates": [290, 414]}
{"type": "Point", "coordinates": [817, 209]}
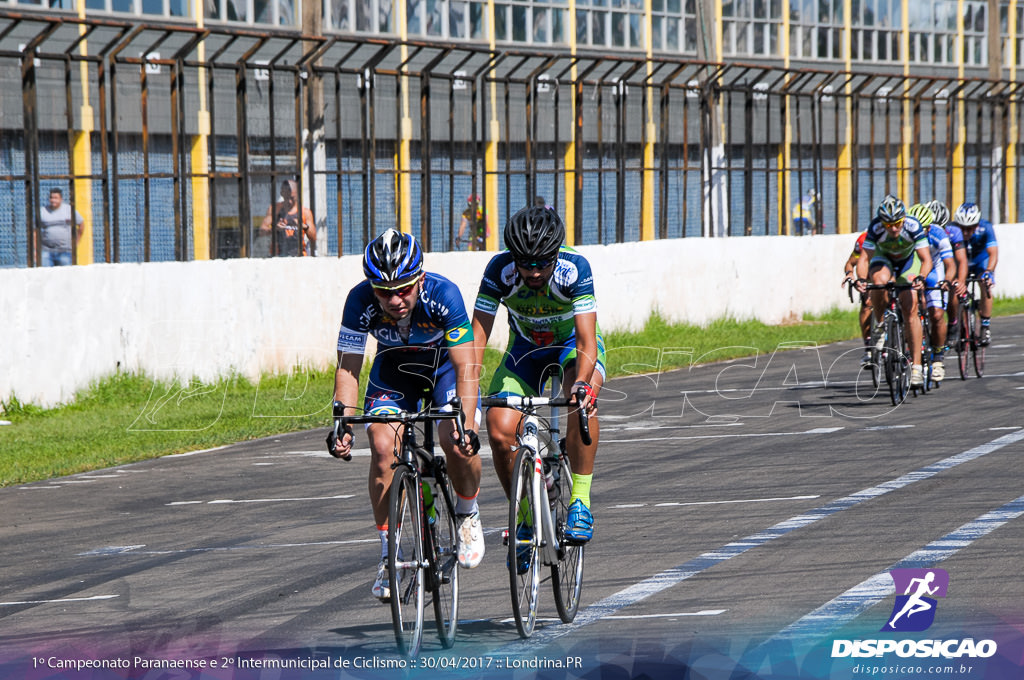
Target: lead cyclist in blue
{"type": "Point", "coordinates": [424, 343]}
{"type": "Point", "coordinates": [548, 290]}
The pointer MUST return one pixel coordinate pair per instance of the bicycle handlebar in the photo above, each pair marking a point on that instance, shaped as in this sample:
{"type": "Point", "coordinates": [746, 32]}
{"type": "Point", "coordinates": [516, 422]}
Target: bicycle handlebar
{"type": "Point", "coordinates": [524, 403]}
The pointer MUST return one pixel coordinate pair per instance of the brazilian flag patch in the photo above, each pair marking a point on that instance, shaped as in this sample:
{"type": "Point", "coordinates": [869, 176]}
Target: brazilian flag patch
{"type": "Point", "coordinates": [457, 335]}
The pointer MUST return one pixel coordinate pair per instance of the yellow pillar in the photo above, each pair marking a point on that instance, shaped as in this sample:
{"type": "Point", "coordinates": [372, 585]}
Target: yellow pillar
{"type": "Point", "coordinates": [844, 177]}
{"type": "Point", "coordinates": [491, 149]}
{"type": "Point", "coordinates": [199, 156]}
{"type": "Point", "coordinates": [81, 154]}
{"type": "Point", "coordinates": [569, 159]}
{"type": "Point", "coordinates": [402, 162]}
{"type": "Point", "coordinates": [647, 199]}
{"type": "Point", "coordinates": [906, 156]}
{"type": "Point", "coordinates": [957, 175]}
{"type": "Point", "coordinates": [784, 157]}
{"type": "Point", "coordinates": [1011, 142]}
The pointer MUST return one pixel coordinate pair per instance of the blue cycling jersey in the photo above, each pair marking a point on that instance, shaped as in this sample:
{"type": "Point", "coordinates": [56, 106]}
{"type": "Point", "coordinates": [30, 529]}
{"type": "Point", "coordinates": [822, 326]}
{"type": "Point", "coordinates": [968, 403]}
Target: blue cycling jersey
{"type": "Point", "coordinates": [978, 243]}
{"type": "Point", "coordinates": [438, 321]}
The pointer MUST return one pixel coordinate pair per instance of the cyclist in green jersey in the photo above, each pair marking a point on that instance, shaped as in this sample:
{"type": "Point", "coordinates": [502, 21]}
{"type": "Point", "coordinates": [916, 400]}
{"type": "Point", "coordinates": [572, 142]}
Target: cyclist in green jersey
{"type": "Point", "coordinates": [548, 290]}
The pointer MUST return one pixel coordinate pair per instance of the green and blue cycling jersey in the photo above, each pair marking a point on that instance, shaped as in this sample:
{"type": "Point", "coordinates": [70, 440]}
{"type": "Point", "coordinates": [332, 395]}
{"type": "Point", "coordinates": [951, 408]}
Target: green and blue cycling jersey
{"type": "Point", "coordinates": [897, 252]}
{"type": "Point", "coordinates": [542, 322]}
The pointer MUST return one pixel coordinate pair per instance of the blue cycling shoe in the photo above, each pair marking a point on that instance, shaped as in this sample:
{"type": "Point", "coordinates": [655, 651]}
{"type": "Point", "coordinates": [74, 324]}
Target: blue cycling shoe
{"type": "Point", "coordinates": [524, 551]}
{"type": "Point", "coordinates": [579, 524]}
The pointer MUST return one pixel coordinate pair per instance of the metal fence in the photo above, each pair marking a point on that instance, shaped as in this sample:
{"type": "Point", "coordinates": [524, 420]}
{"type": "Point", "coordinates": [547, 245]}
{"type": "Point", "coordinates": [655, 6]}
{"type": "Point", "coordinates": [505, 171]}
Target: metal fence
{"type": "Point", "coordinates": [172, 140]}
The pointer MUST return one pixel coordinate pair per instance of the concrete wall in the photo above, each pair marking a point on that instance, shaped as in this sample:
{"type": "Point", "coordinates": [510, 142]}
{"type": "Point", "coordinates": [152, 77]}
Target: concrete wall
{"type": "Point", "coordinates": [62, 328]}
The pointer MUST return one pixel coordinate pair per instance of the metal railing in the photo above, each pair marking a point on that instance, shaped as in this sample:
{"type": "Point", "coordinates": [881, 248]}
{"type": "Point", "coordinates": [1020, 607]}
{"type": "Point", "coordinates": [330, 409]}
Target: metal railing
{"type": "Point", "coordinates": [172, 140]}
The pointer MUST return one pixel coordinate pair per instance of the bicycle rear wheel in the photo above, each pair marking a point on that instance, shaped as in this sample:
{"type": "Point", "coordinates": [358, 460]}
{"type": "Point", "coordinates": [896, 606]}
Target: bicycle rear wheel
{"type": "Point", "coordinates": [567, 573]}
{"type": "Point", "coordinates": [445, 560]}
{"type": "Point", "coordinates": [523, 514]}
{"type": "Point", "coordinates": [405, 561]}
{"type": "Point", "coordinates": [926, 351]}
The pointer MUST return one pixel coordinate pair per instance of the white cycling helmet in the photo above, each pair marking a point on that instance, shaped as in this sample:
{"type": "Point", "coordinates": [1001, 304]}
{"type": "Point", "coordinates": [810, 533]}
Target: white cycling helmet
{"type": "Point", "coordinates": [967, 215]}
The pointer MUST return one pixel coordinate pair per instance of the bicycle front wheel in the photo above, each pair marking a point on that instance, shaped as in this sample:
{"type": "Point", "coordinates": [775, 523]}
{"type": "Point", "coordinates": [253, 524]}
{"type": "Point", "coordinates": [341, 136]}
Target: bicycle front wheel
{"type": "Point", "coordinates": [977, 349]}
{"type": "Point", "coordinates": [523, 560]}
{"type": "Point", "coordinates": [405, 561]}
{"type": "Point", "coordinates": [567, 573]}
{"type": "Point", "coordinates": [445, 560]}
{"type": "Point", "coordinates": [963, 341]}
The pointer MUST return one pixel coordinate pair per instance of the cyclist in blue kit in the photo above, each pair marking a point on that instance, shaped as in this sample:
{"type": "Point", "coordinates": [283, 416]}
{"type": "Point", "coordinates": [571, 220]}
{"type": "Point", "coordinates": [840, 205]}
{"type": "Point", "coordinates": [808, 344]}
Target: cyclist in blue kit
{"type": "Point", "coordinates": [424, 343]}
{"type": "Point", "coordinates": [982, 257]}
{"type": "Point", "coordinates": [548, 290]}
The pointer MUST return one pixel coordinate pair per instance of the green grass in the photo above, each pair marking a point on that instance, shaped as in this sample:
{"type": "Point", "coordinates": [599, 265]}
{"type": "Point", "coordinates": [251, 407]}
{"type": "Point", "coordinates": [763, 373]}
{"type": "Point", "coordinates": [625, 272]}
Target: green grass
{"type": "Point", "coordinates": [126, 418]}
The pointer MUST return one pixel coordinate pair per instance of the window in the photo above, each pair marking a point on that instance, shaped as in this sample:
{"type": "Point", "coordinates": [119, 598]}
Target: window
{"type": "Point", "coordinates": [751, 27]}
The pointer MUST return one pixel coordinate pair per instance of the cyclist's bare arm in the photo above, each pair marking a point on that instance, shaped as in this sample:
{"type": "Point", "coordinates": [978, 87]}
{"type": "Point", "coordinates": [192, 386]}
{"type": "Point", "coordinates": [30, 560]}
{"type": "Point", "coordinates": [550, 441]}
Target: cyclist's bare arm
{"type": "Point", "coordinates": [850, 267]}
{"type": "Point", "coordinates": [482, 325]}
{"type": "Point", "coordinates": [346, 390]}
{"type": "Point", "coordinates": [925, 253]}
{"type": "Point", "coordinates": [467, 379]}
{"type": "Point", "coordinates": [586, 346]}
{"type": "Point", "coordinates": [862, 265]}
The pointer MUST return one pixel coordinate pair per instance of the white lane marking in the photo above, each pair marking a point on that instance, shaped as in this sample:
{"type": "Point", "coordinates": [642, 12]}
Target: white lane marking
{"type": "Point", "coordinates": [705, 612]}
{"type": "Point", "coordinates": [851, 604]}
{"type": "Point", "coordinates": [485, 452]}
{"type": "Point", "coordinates": [671, 504]}
{"type": "Point", "coordinates": [63, 599]}
{"type": "Point", "coordinates": [817, 430]}
{"type": "Point", "coordinates": [647, 428]}
{"type": "Point", "coordinates": [878, 428]}
{"type": "Point", "coordinates": [179, 551]}
{"type": "Point", "coordinates": [671, 577]}
{"type": "Point", "coordinates": [263, 500]}
{"type": "Point", "coordinates": [1014, 427]}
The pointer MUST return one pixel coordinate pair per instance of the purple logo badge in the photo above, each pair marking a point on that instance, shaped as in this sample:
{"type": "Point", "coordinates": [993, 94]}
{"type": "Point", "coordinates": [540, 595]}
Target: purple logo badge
{"type": "Point", "coordinates": [916, 590]}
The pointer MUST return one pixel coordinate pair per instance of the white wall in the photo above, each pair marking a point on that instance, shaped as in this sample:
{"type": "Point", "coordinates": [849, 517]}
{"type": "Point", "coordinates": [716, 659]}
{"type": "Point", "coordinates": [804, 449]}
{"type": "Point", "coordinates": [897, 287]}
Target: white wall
{"type": "Point", "coordinates": [62, 328]}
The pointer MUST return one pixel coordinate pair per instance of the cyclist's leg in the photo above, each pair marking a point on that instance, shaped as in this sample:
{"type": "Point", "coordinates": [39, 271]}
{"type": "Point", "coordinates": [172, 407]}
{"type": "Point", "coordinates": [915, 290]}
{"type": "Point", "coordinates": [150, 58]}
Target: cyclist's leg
{"type": "Point", "coordinates": [382, 397]}
{"type": "Point", "coordinates": [581, 457]}
{"type": "Point", "coordinates": [879, 273]}
{"type": "Point", "coordinates": [978, 267]}
{"type": "Point", "coordinates": [518, 374]}
{"type": "Point", "coordinates": [908, 300]}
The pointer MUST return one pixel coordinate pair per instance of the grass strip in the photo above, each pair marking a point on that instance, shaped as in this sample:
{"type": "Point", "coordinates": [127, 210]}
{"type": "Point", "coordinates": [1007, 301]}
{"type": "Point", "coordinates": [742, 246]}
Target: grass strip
{"type": "Point", "coordinates": [126, 418]}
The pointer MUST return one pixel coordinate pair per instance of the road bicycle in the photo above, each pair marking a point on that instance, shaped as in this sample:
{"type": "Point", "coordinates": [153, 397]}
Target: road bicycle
{"type": "Point", "coordinates": [895, 356]}
{"type": "Point", "coordinates": [541, 488]}
{"type": "Point", "coordinates": [968, 344]}
{"type": "Point", "coordinates": [422, 531]}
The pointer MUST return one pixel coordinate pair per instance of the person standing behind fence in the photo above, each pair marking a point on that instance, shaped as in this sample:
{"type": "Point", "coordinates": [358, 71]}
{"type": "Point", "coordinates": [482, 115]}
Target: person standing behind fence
{"type": "Point", "coordinates": [473, 225]}
{"type": "Point", "coordinates": [805, 214]}
{"type": "Point", "coordinates": [282, 222]}
{"type": "Point", "coordinates": [55, 231]}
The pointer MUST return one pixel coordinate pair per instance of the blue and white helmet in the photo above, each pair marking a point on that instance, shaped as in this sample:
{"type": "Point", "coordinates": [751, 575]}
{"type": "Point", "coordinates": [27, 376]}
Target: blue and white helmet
{"type": "Point", "coordinates": [392, 256]}
{"type": "Point", "coordinates": [967, 215]}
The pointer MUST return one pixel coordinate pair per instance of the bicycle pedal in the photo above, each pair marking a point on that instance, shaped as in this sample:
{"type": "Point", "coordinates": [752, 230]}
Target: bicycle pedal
{"type": "Point", "coordinates": [504, 537]}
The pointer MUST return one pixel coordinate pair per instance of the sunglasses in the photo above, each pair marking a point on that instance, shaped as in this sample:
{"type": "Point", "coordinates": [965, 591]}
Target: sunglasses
{"type": "Point", "coordinates": [897, 223]}
{"type": "Point", "coordinates": [400, 291]}
{"type": "Point", "coordinates": [536, 264]}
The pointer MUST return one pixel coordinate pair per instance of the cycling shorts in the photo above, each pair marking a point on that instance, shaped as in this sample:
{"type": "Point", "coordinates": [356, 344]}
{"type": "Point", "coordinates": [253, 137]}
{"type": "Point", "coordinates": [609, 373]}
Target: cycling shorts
{"type": "Point", "coordinates": [934, 298]}
{"type": "Point", "coordinates": [524, 368]}
{"type": "Point", "coordinates": [978, 265]}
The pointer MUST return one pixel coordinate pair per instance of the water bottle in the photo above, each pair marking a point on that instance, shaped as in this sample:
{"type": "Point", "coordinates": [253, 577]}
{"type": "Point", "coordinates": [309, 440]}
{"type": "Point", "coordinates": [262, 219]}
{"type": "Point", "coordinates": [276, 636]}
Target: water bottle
{"type": "Point", "coordinates": [428, 501]}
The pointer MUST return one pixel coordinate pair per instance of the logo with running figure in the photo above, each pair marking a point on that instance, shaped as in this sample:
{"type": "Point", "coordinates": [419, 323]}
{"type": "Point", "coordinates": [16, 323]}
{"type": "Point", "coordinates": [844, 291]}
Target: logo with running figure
{"type": "Point", "coordinates": [914, 610]}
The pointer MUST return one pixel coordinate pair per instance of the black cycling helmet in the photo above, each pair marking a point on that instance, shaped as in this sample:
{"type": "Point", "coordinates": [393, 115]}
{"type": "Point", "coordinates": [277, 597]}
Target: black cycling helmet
{"type": "Point", "coordinates": [392, 256]}
{"type": "Point", "coordinates": [534, 233]}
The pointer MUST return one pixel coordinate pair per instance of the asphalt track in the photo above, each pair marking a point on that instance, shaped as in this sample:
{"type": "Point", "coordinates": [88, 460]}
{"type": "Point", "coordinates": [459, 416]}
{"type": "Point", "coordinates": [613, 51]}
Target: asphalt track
{"type": "Point", "coordinates": [748, 515]}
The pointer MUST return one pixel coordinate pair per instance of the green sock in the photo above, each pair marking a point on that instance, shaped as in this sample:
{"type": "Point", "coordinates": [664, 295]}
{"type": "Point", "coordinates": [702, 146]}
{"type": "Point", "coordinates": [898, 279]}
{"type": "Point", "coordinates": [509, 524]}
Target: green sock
{"type": "Point", "coordinates": [581, 488]}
